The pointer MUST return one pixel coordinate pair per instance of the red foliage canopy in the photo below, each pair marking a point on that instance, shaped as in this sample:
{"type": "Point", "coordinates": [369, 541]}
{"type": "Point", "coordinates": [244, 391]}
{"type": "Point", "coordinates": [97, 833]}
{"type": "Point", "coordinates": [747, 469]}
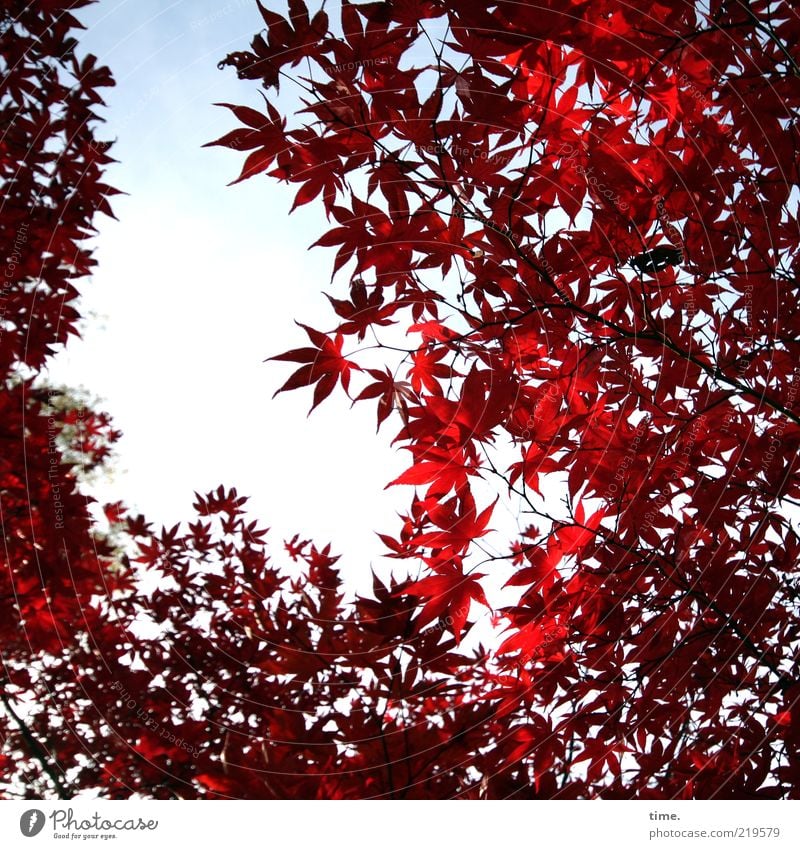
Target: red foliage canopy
{"type": "Point", "coordinates": [569, 243]}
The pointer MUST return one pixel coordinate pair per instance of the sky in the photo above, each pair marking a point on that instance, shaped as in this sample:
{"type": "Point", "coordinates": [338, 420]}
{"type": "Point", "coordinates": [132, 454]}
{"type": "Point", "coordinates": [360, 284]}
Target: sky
{"type": "Point", "coordinates": [197, 284]}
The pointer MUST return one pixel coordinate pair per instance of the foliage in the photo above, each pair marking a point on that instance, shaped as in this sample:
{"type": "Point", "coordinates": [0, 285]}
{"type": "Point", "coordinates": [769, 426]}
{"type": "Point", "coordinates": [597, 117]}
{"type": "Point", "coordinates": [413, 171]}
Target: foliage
{"type": "Point", "coordinates": [581, 225]}
{"type": "Point", "coordinates": [566, 270]}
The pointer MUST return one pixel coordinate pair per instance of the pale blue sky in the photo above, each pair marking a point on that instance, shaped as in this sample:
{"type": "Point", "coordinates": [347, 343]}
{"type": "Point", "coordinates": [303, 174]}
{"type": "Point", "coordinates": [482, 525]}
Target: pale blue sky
{"type": "Point", "coordinates": [197, 284]}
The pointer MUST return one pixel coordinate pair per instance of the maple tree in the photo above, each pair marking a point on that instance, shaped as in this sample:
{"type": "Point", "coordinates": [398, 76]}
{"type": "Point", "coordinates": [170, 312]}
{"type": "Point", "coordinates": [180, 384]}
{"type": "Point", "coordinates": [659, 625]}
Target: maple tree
{"type": "Point", "coordinates": [579, 219]}
{"type": "Point", "coordinates": [565, 271]}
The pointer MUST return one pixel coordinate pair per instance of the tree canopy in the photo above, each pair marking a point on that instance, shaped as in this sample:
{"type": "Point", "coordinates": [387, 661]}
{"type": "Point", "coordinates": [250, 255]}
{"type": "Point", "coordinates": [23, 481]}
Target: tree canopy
{"type": "Point", "coordinates": [565, 271]}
